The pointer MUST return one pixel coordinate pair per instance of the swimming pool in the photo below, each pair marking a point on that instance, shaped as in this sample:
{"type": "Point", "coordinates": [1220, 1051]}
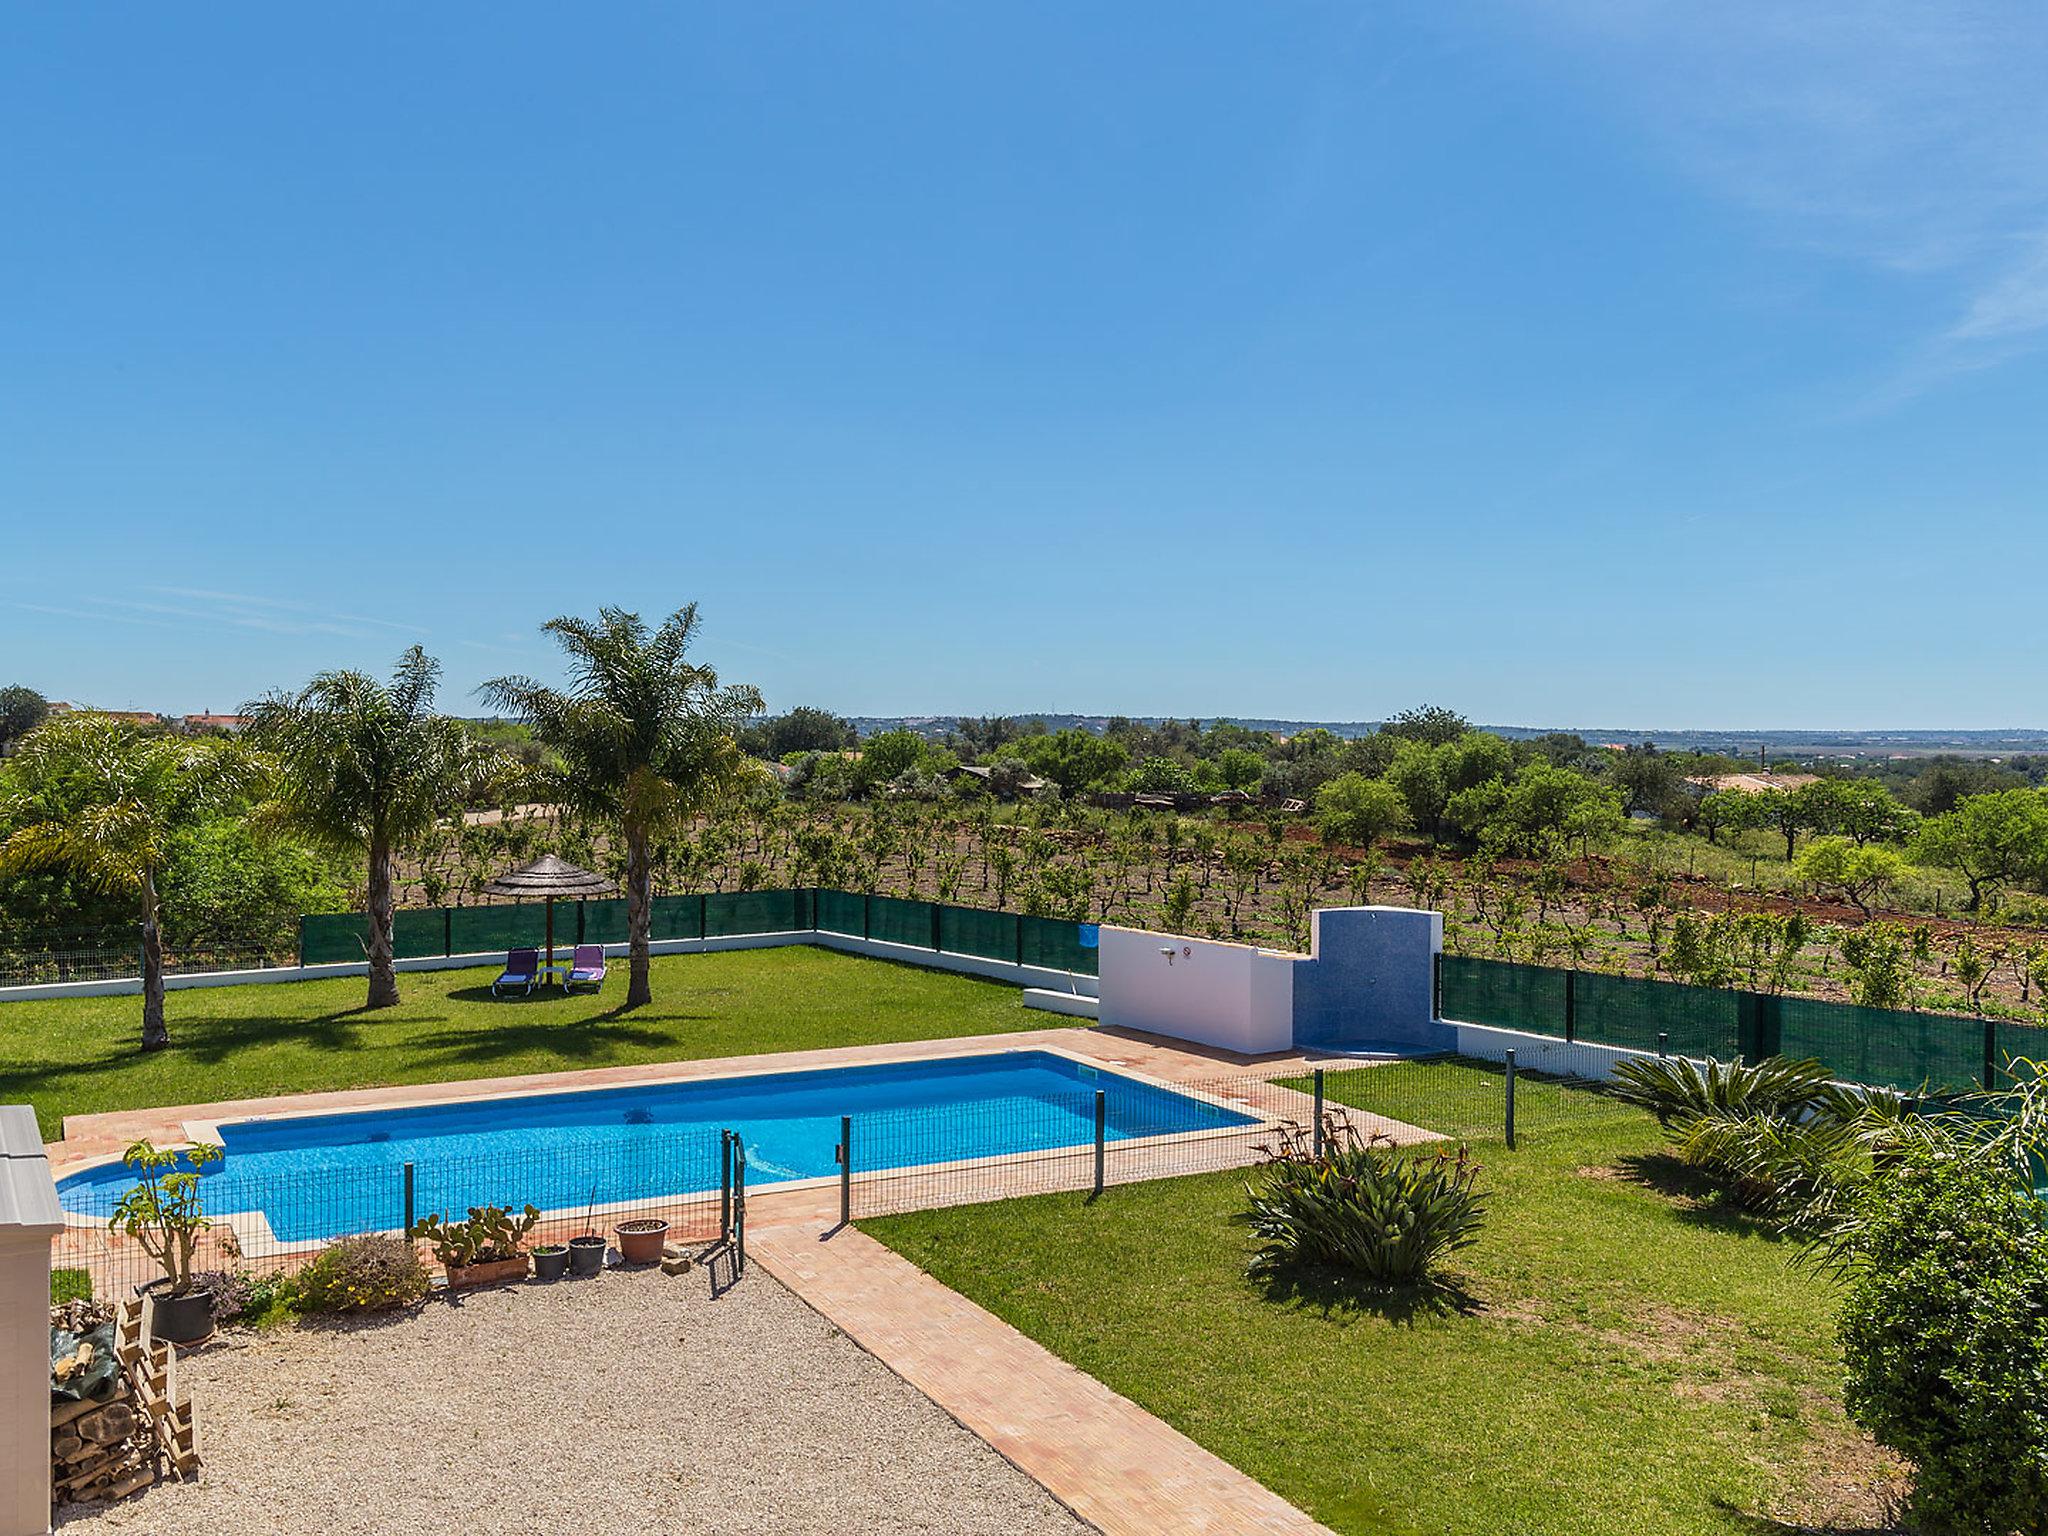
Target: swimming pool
{"type": "Point", "coordinates": [320, 1176]}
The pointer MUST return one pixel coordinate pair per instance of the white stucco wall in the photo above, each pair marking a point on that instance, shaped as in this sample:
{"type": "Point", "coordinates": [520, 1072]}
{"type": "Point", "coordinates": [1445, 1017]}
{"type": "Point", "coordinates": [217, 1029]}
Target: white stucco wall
{"type": "Point", "coordinates": [1231, 996]}
{"type": "Point", "coordinates": [29, 1218]}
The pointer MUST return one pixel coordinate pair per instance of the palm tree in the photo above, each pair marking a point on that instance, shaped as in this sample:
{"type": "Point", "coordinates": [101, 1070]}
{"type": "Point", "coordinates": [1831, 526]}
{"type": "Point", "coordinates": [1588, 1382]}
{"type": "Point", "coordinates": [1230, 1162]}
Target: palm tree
{"type": "Point", "coordinates": [103, 799]}
{"type": "Point", "coordinates": [646, 739]}
{"type": "Point", "coordinates": [365, 767]}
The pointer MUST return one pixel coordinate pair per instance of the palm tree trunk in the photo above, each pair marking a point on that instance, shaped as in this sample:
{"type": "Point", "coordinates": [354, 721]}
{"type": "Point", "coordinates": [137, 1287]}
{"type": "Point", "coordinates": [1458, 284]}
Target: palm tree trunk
{"type": "Point", "coordinates": [639, 909]}
{"type": "Point", "coordinates": [156, 1033]}
{"type": "Point", "coordinates": [383, 973]}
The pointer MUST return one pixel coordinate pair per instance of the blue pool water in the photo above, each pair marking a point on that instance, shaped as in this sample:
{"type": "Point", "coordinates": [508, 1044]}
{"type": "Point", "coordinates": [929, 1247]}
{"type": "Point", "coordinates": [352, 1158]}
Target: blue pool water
{"type": "Point", "coordinates": [321, 1176]}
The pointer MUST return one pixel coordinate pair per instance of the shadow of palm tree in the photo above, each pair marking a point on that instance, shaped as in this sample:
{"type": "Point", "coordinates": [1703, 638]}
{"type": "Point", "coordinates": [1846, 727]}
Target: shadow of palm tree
{"type": "Point", "coordinates": [571, 1038]}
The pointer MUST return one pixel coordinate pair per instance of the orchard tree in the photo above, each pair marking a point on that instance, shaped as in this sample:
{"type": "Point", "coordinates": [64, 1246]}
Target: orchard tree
{"type": "Point", "coordinates": [1241, 768]}
{"type": "Point", "coordinates": [1073, 759]}
{"type": "Point", "coordinates": [1861, 810]}
{"type": "Point", "coordinates": [1990, 840]}
{"type": "Point", "coordinates": [1856, 873]}
{"type": "Point", "coordinates": [1354, 809]}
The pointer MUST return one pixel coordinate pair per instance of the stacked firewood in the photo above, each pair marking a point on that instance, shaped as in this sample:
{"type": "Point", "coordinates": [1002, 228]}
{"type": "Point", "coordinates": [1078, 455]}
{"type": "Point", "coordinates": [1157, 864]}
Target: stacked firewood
{"type": "Point", "coordinates": [138, 1431]}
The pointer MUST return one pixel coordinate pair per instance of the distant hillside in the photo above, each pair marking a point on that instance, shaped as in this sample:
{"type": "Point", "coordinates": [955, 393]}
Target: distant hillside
{"type": "Point", "coordinates": [1994, 743]}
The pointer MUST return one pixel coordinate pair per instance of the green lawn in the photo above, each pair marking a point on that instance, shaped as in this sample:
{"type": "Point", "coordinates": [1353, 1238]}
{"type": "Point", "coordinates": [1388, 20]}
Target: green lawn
{"type": "Point", "coordinates": [80, 1055]}
{"type": "Point", "coordinates": [1632, 1360]}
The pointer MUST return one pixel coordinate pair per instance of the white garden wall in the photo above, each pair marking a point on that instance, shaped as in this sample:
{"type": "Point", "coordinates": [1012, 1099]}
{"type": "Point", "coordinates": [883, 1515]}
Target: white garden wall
{"type": "Point", "coordinates": [1230, 996]}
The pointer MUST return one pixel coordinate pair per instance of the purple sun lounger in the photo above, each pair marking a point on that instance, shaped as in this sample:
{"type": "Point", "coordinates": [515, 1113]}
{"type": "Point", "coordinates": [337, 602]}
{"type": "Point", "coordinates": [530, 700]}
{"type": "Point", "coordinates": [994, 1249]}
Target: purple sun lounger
{"type": "Point", "coordinates": [522, 970]}
{"type": "Point", "coordinates": [587, 970]}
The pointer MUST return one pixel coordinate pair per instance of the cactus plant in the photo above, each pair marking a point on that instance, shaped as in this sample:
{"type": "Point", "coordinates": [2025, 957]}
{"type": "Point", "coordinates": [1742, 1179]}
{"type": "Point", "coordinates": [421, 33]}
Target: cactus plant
{"type": "Point", "coordinates": [490, 1233]}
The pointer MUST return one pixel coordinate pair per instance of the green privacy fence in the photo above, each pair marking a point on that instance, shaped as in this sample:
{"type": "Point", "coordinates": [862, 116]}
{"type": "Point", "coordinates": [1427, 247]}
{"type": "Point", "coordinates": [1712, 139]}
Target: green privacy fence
{"type": "Point", "coordinates": [1884, 1046]}
{"type": "Point", "coordinates": [426, 932]}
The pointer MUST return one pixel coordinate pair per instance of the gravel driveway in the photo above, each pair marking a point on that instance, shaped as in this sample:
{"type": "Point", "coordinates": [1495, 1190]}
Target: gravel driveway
{"type": "Point", "coordinates": [629, 1402]}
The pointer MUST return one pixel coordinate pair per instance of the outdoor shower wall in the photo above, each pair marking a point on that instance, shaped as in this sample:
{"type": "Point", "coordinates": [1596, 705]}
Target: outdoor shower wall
{"type": "Point", "coordinates": [1366, 984]}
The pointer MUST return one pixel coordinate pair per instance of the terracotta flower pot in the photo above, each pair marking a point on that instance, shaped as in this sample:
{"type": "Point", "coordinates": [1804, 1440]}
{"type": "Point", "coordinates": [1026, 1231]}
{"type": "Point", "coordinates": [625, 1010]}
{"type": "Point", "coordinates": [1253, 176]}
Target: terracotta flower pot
{"type": "Point", "coordinates": [640, 1241]}
{"type": "Point", "coordinates": [462, 1277]}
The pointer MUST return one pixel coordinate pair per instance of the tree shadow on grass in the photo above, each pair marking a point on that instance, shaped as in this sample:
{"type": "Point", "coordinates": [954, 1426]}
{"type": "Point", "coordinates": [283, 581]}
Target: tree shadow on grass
{"type": "Point", "coordinates": [572, 1038]}
{"type": "Point", "coordinates": [1696, 1198]}
{"type": "Point", "coordinates": [1338, 1293]}
{"type": "Point", "coordinates": [1763, 1525]}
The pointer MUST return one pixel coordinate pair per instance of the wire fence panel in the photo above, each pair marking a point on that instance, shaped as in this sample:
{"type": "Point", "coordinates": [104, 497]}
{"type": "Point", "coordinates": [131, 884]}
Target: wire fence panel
{"type": "Point", "coordinates": [274, 1221]}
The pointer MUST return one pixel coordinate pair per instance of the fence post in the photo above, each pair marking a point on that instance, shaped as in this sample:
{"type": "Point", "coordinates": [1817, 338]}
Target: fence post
{"type": "Point", "coordinates": [725, 1186]}
{"type": "Point", "coordinates": [1017, 936]}
{"type": "Point", "coordinates": [1571, 1008]}
{"type": "Point", "coordinates": [1101, 1123]}
{"type": "Point", "coordinates": [1663, 1044]}
{"type": "Point", "coordinates": [447, 932]}
{"type": "Point", "coordinates": [739, 1206]}
{"type": "Point", "coordinates": [867, 915]}
{"type": "Point", "coordinates": [302, 942]}
{"type": "Point", "coordinates": [1319, 1112]}
{"type": "Point", "coordinates": [846, 1170]}
{"type": "Point", "coordinates": [408, 1200]}
{"type": "Point", "coordinates": [703, 917]}
{"type": "Point", "coordinates": [1510, 1126]}
{"type": "Point", "coordinates": [1436, 985]}
{"type": "Point", "coordinates": [1990, 1054]}
{"type": "Point", "coordinates": [938, 936]}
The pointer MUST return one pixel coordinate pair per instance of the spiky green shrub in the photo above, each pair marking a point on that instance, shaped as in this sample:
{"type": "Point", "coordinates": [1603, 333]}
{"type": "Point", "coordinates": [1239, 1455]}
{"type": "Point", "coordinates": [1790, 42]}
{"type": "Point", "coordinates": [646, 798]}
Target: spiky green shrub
{"type": "Point", "coordinates": [376, 1273]}
{"type": "Point", "coordinates": [1365, 1207]}
{"type": "Point", "coordinates": [1674, 1088]}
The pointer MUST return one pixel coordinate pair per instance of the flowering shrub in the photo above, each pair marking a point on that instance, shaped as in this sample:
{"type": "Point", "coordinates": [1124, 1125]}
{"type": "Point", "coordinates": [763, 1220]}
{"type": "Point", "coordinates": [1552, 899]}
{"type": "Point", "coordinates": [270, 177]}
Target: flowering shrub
{"type": "Point", "coordinates": [362, 1274]}
{"type": "Point", "coordinates": [237, 1294]}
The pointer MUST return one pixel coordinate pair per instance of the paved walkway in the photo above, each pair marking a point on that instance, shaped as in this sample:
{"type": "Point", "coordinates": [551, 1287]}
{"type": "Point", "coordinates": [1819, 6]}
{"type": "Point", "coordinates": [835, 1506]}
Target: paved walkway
{"type": "Point", "coordinates": [1105, 1458]}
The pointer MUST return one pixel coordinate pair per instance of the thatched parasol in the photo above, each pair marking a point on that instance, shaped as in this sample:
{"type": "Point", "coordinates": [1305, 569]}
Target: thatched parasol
{"type": "Point", "coordinates": [550, 879]}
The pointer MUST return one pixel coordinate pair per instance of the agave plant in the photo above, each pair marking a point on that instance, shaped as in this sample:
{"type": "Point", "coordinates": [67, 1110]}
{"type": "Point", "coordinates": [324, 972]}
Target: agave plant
{"type": "Point", "coordinates": [1364, 1206]}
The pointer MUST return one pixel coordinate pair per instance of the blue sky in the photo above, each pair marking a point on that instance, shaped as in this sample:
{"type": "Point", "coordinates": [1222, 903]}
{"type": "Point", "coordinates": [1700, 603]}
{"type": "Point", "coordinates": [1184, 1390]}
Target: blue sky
{"type": "Point", "coordinates": [1576, 362]}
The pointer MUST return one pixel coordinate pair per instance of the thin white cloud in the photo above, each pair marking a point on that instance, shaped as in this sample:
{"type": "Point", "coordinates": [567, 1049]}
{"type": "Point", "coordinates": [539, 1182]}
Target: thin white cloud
{"type": "Point", "coordinates": [1902, 136]}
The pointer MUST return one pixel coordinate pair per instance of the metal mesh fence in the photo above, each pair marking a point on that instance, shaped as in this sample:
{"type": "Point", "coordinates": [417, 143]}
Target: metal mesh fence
{"type": "Point", "coordinates": [272, 1224]}
{"type": "Point", "coordinates": [1120, 1130]}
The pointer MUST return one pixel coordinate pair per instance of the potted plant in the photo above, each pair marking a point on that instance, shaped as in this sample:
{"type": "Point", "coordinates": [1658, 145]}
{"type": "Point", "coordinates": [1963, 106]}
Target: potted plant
{"type": "Point", "coordinates": [162, 1214]}
{"type": "Point", "coordinates": [483, 1250]}
{"type": "Point", "coordinates": [550, 1261]}
{"type": "Point", "coordinates": [586, 1253]}
{"type": "Point", "coordinates": [640, 1240]}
